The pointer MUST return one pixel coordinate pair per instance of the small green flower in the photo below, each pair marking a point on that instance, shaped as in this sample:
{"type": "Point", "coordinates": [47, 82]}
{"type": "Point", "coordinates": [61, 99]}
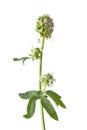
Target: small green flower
{"type": "Point", "coordinates": [45, 26]}
{"type": "Point", "coordinates": [35, 54]}
{"type": "Point", "coordinates": [47, 80]}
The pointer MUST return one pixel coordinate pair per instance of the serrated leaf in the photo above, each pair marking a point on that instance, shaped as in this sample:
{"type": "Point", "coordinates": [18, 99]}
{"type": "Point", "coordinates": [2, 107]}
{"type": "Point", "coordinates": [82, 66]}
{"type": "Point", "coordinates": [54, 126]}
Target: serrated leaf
{"type": "Point", "coordinates": [49, 108]}
{"type": "Point", "coordinates": [30, 108]}
{"type": "Point", "coordinates": [29, 94]}
{"type": "Point", "coordinates": [56, 98]}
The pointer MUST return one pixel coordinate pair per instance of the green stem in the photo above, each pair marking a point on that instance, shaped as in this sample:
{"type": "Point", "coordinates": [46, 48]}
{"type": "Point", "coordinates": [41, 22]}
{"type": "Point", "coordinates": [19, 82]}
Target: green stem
{"type": "Point", "coordinates": [40, 87]}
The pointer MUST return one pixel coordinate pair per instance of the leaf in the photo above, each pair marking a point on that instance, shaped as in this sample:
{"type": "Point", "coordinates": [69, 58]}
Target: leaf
{"type": "Point", "coordinates": [23, 59]}
{"type": "Point", "coordinates": [30, 108]}
{"type": "Point", "coordinates": [50, 92]}
{"type": "Point", "coordinates": [56, 98]}
{"type": "Point", "coordinates": [29, 94]}
{"type": "Point", "coordinates": [60, 102]}
{"type": "Point", "coordinates": [49, 108]}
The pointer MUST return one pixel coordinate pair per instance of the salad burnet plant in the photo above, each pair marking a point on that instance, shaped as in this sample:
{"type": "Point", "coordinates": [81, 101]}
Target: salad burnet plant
{"type": "Point", "coordinates": [45, 27]}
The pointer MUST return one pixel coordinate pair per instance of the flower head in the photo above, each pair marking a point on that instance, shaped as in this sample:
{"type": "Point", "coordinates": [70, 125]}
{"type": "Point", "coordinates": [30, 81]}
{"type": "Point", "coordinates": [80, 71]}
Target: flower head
{"type": "Point", "coordinates": [45, 26]}
{"type": "Point", "coordinates": [47, 80]}
{"type": "Point", "coordinates": [35, 53]}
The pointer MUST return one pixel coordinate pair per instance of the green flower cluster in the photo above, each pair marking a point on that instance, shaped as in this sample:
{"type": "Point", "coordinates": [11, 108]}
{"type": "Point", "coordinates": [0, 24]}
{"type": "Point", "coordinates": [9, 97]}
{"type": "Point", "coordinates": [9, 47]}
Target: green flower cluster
{"type": "Point", "coordinates": [35, 54]}
{"type": "Point", "coordinates": [47, 80]}
{"type": "Point", "coordinates": [45, 26]}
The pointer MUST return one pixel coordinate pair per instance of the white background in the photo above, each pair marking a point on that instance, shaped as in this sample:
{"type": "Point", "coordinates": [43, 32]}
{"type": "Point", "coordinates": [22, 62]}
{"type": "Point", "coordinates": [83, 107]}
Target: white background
{"type": "Point", "coordinates": [65, 56]}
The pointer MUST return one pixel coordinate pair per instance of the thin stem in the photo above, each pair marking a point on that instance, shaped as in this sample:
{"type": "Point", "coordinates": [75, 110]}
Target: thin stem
{"type": "Point", "coordinates": [44, 89]}
{"type": "Point", "coordinates": [42, 117]}
{"type": "Point", "coordinates": [40, 87]}
{"type": "Point", "coordinates": [40, 65]}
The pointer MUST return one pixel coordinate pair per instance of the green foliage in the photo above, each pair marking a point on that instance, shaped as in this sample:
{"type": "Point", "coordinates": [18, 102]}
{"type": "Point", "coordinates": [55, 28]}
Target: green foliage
{"type": "Point", "coordinates": [33, 95]}
{"type": "Point", "coordinates": [56, 98]}
{"type": "Point", "coordinates": [22, 58]}
{"type": "Point", "coordinates": [49, 108]}
{"type": "Point", "coordinates": [30, 108]}
{"type": "Point", "coordinates": [52, 94]}
{"type": "Point", "coordinates": [29, 94]}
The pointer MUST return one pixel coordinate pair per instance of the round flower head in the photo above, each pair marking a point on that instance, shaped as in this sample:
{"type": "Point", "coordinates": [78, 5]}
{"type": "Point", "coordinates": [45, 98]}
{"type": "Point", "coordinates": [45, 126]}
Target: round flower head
{"type": "Point", "coordinates": [35, 54]}
{"type": "Point", "coordinates": [47, 80]}
{"type": "Point", "coordinates": [45, 26]}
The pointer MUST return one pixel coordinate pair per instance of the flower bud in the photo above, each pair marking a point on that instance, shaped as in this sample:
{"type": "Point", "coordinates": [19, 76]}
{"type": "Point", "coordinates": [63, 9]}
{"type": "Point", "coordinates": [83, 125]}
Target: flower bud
{"type": "Point", "coordinates": [45, 26]}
